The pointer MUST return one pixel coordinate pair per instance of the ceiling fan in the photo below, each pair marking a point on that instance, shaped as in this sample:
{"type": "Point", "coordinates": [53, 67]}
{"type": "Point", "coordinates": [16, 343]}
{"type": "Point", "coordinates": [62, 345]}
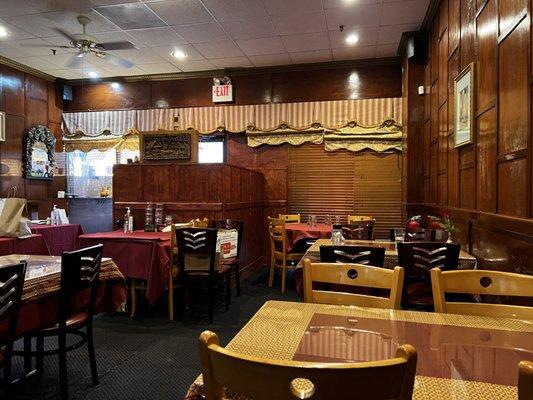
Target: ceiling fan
{"type": "Point", "coordinates": [86, 45]}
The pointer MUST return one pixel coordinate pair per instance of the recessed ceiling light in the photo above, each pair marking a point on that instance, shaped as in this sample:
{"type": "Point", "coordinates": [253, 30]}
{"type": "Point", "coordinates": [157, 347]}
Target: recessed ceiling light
{"type": "Point", "coordinates": [3, 32]}
{"type": "Point", "coordinates": [352, 38]}
{"type": "Point", "coordinates": [115, 85]}
{"type": "Point", "coordinates": [179, 54]}
{"type": "Point", "coordinates": [92, 74]}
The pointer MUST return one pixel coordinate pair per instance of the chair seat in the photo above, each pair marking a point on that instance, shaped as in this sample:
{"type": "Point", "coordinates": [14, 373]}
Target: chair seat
{"type": "Point", "coordinates": [231, 261]}
{"type": "Point", "coordinates": [77, 320]}
{"type": "Point", "coordinates": [222, 269]}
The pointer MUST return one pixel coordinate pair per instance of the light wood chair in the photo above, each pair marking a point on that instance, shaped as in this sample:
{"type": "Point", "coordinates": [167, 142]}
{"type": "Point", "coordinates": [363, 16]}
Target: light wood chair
{"type": "Point", "coordinates": [263, 379]}
{"type": "Point", "coordinates": [525, 380]}
{"type": "Point", "coordinates": [481, 282]}
{"type": "Point", "coordinates": [200, 223]}
{"type": "Point", "coordinates": [353, 219]}
{"type": "Point", "coordinates": [290, 217]}
{"type": "Point", "coordinates": [279, 255]}
{"type": "Point", "coordinates": [353, 275]}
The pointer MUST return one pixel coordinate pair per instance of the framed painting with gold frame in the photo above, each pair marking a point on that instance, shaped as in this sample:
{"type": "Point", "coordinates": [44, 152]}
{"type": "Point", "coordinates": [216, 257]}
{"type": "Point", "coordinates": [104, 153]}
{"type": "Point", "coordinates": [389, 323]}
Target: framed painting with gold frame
{"type": "Point", "coordinates": [169, 146]}
{"type": "Point", "coordinates": [464, 107]}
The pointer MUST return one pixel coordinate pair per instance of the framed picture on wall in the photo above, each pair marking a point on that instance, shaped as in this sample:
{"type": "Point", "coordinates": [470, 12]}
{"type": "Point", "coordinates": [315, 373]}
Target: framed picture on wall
{"type": "Point", "coordinates": [169, 146]}
{"type": "Point", "coordinates": [464, 107]}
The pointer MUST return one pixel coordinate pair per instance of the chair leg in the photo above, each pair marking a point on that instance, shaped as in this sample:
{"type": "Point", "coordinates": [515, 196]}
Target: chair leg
{"type": "Point", "coordinates": [63, 371]}
{"type": "Point", "coordinates": [228, 290]}
{"type": "Point", "coordinates": [238, 279]}
{"type": "Point", "coordinates": [283, 278]}
{"type": "Point", "coordinates": [211, 302]}
{"type": "Point", "coordinates": [6, 375]}
{"type": "Point", "coordinates": [133, 293]}
{"type": "Point", "coordinates": [39, 358]}
{"type": "Point", "coordinates": [170, 297]}
{"type": "Point", "coordinates": [271, 276]}
{"type": "Point", "coordinates": [27, 354]}
{"type": "Point", "coordinates": [92, 355]}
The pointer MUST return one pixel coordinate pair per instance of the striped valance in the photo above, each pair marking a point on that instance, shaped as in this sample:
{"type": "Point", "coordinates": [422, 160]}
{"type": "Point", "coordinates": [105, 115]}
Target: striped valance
{"type": "Point", "coordinates": [273, 123]}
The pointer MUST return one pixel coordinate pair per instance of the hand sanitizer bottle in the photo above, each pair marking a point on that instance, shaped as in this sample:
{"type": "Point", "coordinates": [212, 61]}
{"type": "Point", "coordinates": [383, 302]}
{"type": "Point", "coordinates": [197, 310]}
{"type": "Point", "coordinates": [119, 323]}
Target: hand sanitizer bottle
{"type": "Point", "coordinates": [127, 220]}
{"type": "Point", "coordinates": [54, 216]}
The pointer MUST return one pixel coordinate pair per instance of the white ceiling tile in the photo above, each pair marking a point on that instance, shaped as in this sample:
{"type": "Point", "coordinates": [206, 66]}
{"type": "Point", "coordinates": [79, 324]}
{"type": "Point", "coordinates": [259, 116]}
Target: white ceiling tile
{"type": "Point", "coordinates": [272, 59]}
{"type": "Point", "coordinates": [393, 33]}
{"type": "Point", "coordinates": [156, 36]}
{"type": "Point", "coordinates": [311, 56]}
{"type": "Point", "coordinates": [198, 65]}
{"type": "Point", "coordinates": [356, 15]}
{"type": "Point", "coordinates": [37, 63]}
{"type": "Point", "coordinates": [139, 56]}
{"type": "Point", "coordinates": [387, 50]}
{"type": "Point", "coordinates": [11, 8]}
{"type": "Point", "coordinates": [235, 10]}
{"type": "Point", "coordinates": [165, 52]}
{"type": "Point", "coordinates": [121, 71]}
{"type": "Point", "coordinates": [346, 3]}
{"type": "Point", "coordinates": [367, 36]}
{"type": "Point", "coordinates": [7, 50]}
{"type": "Point", "coordinates": [250, 29]}
{"type": "Point", "coordinates": [14, 32]}
{"type": "Point", "coordinates": [287, 24]}
{"type": "Point", "coordinates": [254, 47]}
{"type": "Point", "coordinates": [405, 12]}
{"type": "Point", "coordinates": [159, 68]}
{"type": "Point", "coordinates": [292, 6]}
{"type": "Point", "coordinates": [200, 33]}
{"type": "Point", "coordinates": [232, 62]}
{"type": "Point", "coordinates": [223, 49]}
{"type": "Point", "coordinates": [63, 73]}
{"type": "Point", "coordinates": [111, 2]}
{"type": "Point", "coordinates": [178, 12]}
{"type": "Point", "coordinates": [354, 53]}
{"type": "Point", "coordinates": [131, 16]}
{"type": "Point", "coordinates": [306, 42]}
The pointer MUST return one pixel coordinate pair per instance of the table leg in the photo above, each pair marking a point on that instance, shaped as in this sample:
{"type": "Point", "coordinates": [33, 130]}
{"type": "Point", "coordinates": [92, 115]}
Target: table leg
{"type": "Point", "coordinates": [133, 294]}
{"type": "Point", "coordinates": [170, 296]}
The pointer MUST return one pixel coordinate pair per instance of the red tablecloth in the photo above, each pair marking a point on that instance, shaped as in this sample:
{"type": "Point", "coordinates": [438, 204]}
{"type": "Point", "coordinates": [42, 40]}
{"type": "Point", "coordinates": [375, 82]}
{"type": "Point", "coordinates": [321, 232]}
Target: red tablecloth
{"type": "Point", "coordinates": [299, 231]}
{"type": "Point", "coordinates": [59, 238]}
{"type": "Point", "coordinates": [35, 245]}
{"type": "Point", "coordinates": [141, 255]}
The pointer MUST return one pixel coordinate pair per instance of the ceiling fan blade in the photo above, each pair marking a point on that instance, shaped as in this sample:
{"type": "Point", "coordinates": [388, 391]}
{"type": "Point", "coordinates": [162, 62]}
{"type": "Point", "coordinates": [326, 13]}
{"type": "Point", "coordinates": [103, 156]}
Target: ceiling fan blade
{"type": "Point", "coordinates": [116, 45]}
{"type": "Point", "coordinates": [74, 62]}
{"type": "Point", "coordinates": [65, 34]}
{"type": "Point", "coordinates": [118, 61]}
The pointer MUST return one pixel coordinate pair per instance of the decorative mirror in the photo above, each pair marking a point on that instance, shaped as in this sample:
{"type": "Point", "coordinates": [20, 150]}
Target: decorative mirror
{"type": "Point", "coordinates": [40, 148]}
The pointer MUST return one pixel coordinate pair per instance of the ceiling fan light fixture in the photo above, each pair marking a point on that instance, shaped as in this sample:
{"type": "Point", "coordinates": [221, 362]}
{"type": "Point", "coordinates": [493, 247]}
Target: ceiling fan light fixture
{"type": "Point", "coordinates": [3, 32]}
{"type": "Point", "coordinates": [92, 74]}
{"type": "Point", "coordinates": [179, 54]}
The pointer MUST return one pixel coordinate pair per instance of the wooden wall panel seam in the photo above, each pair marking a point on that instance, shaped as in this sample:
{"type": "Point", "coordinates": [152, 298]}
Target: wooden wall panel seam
{"type": "Point", "coordinates": [511, 29]}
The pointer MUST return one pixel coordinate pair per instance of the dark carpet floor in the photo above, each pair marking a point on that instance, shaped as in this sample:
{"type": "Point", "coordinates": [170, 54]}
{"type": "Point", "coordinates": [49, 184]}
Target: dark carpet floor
{"type": "Point", "coordinates": [149, 357]}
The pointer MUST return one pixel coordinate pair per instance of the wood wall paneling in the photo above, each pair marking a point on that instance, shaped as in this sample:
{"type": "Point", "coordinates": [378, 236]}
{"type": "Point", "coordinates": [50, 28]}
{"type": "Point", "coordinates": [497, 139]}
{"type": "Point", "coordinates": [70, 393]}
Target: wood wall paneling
{"type": "Point", "coordinates": [486, 174]}
{"type": "Point", "coordinates": [487, 61]}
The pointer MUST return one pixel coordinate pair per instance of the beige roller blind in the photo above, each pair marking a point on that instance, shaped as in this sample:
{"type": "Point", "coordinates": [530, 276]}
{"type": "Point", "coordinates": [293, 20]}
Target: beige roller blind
{"type": "Point", "coordinates": [320, 182]}
{"type": "Point", "coordinates": [344, 182]}
{"type": "Point", "coordinates": [378, 190]}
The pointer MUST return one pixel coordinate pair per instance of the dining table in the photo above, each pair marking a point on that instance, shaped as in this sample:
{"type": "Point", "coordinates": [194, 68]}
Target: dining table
{"type": "Point", "coordinates": [42, 284]}
{"type": "Point", "coordinates": [459, 356]}
{"type": "Point", "coordinates": [297, 232]}
{"type": "Point", "coordinates": [34, 244]}
{"type": "Point", "coordinates": [59, 238]}
{"type": "Point", "coordinates": [138, 255]}
{"type": "Point", "coordinates": [466, 260]}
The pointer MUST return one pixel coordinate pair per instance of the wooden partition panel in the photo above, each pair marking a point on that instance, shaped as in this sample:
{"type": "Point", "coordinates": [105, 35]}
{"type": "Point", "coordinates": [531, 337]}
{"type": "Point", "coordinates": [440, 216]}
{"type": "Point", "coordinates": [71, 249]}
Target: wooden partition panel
{"type": "Point", "coordinates": [189, 191]}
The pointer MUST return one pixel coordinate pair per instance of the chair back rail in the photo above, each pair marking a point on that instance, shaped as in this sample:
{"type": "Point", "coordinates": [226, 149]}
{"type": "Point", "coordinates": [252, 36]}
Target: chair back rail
{"type": "Point", "coordinates": [263, 379]}
{"type": "Point", "coordinates": [356, 275]}
{"type": "Point", "coordinates": [290, 217]}
{"type": "Point", "coordinates": [363, 230]}
{"type": "Point", "coordinates": [278, 238]}
{"type": "Point", "coordinates": [366, 255]}
{"type": "Point", "coordinates": [11, 286]}
{"type": "Point", "coordinates": [481, 282]}
{"type": "Point", "coordinates": [353, 219]}
{"type": "Point", "coordinates": [229, 224]}
{"type": "Point", "coordinates": [80, 271]}
{"type": "Point", "coordinates": [200, 243]}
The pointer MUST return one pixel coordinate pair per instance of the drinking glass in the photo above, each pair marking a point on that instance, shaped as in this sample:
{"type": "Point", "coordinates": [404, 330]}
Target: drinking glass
{"type": "Point", "coordinates": [309, 220]}
{"type": "Point", "coordinates": [327, 221]}
{"type": "Point", "coordinates": [399, 234]}
{"type": "Point", "coordinates": [337, 220]}
{"type": "Point", "coordinates": [168, 220]}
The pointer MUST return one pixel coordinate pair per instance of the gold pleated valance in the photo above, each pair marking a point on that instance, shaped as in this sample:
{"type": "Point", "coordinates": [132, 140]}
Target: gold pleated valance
{"type": "Point", "coordinates": [270, 124]}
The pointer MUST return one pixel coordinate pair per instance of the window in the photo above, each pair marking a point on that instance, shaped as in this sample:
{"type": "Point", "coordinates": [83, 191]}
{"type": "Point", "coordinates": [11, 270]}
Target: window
{"type": "Point", "coordinates": [211, 149]}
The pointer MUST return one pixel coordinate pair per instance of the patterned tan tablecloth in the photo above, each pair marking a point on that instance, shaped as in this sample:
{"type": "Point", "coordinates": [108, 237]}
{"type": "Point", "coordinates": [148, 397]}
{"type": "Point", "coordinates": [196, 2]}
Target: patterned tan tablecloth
{"type": "Point", "coordinates": [43, 273]}
{"type": "Point", "coordinates": [277, 329]}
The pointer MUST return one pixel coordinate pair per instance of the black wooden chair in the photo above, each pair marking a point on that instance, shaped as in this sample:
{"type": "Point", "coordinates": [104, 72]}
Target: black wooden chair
{"type": "Point", "coordinates": [417, 259]}
{"type": "Point", "coordinates": [80, 277]}
{"type": "Point", "coordinates": [11, 285]}
{"type": "Point", "coordinates": [233, 262]}
{"type": "Point", "coordinates": [419, 235]}
{"type": "Point", "coordinates": [366, 255]}
{"type": "Point", "coordinates": [363, 230]}
{"type": "Point", "coordinates": [198, 261]}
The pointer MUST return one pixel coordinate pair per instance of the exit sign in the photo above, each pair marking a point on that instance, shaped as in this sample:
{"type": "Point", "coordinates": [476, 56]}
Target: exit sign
{"type": "Point", "coordinates": [222, 93]}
